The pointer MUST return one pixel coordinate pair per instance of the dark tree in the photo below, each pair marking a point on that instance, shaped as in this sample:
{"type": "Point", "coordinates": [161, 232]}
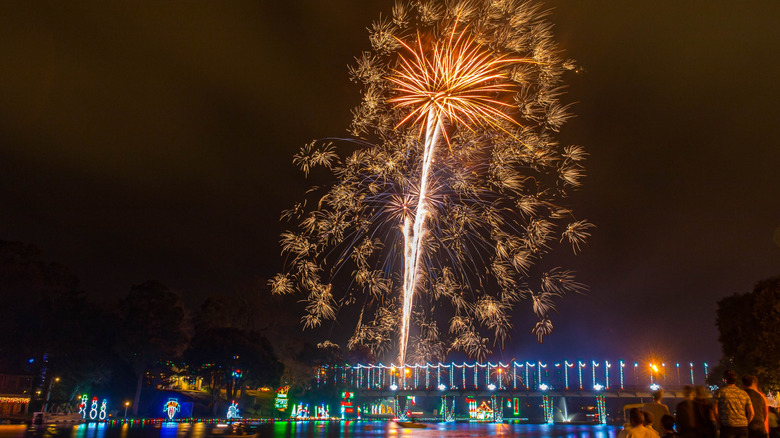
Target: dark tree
{"type": "Point", "coordinates": [48, 327]}
{"type": "Point", "coordinates": [749, 326]}
{"type": "Point", "coordinates": [229, 358]}
{"type": "Point", "coordinates": [152, 329]}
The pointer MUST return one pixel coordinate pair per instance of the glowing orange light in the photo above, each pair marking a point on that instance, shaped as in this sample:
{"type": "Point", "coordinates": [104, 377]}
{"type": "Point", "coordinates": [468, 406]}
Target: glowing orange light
{"type": "Point", "coordinates": [453, 79]}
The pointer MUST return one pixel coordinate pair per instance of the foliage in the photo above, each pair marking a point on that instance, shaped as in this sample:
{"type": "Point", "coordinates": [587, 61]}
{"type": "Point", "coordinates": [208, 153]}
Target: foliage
{"type": "Point", "coordinates": [749, 325]}
{"type": "Point", "coordinates": [216, 353]}
{"type": "Point", "coordinates": [152, 329]}
{"type": "Point", "coordinates": [49, 328]}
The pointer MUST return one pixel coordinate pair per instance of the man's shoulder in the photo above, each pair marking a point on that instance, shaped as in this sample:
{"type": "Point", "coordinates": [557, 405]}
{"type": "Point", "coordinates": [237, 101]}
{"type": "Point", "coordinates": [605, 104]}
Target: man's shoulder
{"type": "Point", "coordinates": [730, 390]}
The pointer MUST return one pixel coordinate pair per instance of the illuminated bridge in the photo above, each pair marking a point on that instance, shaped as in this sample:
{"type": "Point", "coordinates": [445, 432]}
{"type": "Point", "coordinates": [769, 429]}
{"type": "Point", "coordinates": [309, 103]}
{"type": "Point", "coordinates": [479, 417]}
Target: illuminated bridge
{"type": "Point", "coordinates": [493, 383]}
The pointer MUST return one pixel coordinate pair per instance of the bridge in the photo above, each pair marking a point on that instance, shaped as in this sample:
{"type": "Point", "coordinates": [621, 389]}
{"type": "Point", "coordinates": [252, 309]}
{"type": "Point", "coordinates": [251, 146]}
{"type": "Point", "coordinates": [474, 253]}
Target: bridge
{"type": "Point", "coordinates": [394, 386]}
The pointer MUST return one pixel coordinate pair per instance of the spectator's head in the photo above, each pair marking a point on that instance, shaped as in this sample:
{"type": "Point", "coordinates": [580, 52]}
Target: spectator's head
{"type": "Point", "coordinates": [636, 417]}
{"type": "Point", "coordinates": [667, 421]}
{"type": "Point", "coordinates": [749, 381]}
{"type": "Point", "coordinates": [658, 394]}
{"type": "Point", "coordinates": [730, 377]}
{"type": "Point", "coordinates": [688, 392]}
{"type": "Point", "coordinates": [648, 418]}
{"type": "Point", "coordinates": [702, 392]}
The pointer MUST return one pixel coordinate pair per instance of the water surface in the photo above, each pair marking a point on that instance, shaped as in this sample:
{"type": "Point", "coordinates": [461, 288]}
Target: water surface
{"type": "Point", "coordinates": [354, 429]}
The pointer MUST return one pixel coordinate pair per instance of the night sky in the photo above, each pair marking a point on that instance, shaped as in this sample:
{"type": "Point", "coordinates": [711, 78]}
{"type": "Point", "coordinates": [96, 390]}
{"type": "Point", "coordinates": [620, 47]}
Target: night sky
{"type": "Point", "coordinates": [145, 140]}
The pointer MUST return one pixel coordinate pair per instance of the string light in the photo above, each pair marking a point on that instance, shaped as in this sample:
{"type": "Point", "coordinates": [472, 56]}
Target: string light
{"type": "Point", "coordinates": [548, 409]}
{"type": "Point", "coordinates": [601, 406]}
{"type": "Point", "coordinates": [417, 376]}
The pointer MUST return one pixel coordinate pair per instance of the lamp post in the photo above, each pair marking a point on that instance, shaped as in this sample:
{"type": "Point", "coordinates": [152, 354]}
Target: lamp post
{"type": "Point", "coordinates": [48, 393]}
{"type": "Point", "coordinates": [127, 404]}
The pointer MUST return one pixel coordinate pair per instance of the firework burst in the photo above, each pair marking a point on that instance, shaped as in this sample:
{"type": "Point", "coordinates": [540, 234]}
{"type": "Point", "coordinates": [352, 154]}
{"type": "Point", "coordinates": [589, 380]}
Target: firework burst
{"type": "Point", "coordinates": [439, 244]}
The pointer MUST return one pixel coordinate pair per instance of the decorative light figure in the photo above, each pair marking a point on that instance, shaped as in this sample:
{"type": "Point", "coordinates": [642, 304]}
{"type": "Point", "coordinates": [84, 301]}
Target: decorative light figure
{"type": "Point", "coordinates": [171, 407]}
{"type": "Point", "coordinates": [548, 409]}
{"type": "Point", "coordinates": [691, 373]}
{"type": "Point", "coordinates": [566, 365]}
{"type": "Point", "coordinates": [93, 410]}
{"type": "Point", "coordinates": [103, 410]}
{"type": "Point", "coordinates": [601, 407]}
{"type": "Point", "coordinates": [232, 411]}
{"type": "Point", "coordinates": [527, 381]}
{"type": "Point", "coordinates": [83, 406]}
{"type": "Point", "coordinates": [622, 367]}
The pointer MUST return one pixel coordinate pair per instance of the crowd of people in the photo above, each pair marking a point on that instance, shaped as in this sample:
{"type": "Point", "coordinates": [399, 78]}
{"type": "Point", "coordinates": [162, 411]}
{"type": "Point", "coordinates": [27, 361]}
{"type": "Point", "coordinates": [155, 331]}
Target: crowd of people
{"type": "Point", "coordinates": [733, 412]}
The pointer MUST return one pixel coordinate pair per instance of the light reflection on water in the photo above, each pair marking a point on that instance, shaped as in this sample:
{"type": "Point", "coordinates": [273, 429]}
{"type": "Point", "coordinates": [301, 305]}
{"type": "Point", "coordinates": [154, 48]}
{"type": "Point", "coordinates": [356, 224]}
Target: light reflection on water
{"type": "Point", "coordinates": [283, 429]}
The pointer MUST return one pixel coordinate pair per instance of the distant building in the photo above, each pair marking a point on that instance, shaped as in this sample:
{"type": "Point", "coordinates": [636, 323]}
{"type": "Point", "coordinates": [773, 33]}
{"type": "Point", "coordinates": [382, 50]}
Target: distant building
{"type": "Point", "coordinates": [15, 393]}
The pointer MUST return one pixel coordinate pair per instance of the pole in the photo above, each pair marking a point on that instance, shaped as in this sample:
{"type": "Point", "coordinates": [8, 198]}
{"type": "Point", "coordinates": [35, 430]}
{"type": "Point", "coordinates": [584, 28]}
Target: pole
{"type": "Point", "coordinates": [48, 393]}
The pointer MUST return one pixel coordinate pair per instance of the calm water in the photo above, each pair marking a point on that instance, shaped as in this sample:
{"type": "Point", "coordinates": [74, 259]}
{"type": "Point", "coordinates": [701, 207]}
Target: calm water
{"type": "Point", "coordinates": [355, 429]}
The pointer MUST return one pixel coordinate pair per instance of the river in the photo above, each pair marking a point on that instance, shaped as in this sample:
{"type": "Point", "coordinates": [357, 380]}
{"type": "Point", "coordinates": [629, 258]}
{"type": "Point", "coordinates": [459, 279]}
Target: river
{"type": "Point", "coordinates": [354, 429]}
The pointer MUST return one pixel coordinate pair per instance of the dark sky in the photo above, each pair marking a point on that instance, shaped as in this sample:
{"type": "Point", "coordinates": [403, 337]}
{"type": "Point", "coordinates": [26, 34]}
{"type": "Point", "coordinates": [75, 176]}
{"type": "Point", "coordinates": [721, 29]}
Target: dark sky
{"type": "Point", "coordinates": [147, 140]}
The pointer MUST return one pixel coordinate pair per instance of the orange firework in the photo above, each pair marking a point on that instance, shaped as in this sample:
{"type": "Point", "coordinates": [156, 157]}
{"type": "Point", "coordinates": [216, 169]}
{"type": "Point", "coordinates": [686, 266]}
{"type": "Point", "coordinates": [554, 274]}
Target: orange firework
{"type": "Point", "coordinates": [453, 79]}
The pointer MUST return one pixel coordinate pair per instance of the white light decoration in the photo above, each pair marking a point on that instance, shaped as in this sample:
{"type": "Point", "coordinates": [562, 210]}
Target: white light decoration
{"type": "Point", "coordinates": [232, 411]}
{"type": "Point", "coordinates": [544, 387]}
{"type": "Point", "coordinates": [83, 406]}
{"type": "Point", "coordinates": [393, 387]}
{"type": "Point", "coordinates": [598, 387]}
{"type": "Point", "coordinates": [492, 387]}
{"type": "Point", "coordinates": [93, 410]}
{"type": "Point", "coordinates": [103, 410]}
{"type": "Point", "coordinates": [655, 387]}
{"type": "Point", "coordinates": [442, 387]}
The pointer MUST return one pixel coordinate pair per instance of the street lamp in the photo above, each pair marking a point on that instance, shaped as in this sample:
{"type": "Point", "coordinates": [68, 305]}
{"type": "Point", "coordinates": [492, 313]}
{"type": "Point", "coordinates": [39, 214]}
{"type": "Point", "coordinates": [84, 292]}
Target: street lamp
{"type": "Point", "coordinates": [48, 393]}
{"type": "Point", "coordinates": [127, 405]}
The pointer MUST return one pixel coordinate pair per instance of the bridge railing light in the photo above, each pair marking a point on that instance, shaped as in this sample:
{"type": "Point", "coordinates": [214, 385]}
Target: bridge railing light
{"type": "Point", "coordinates": [492, 387]}
{"type": "Point", "coordinates": [393, 387]}
{"type": "Point", "coordinates": [442, 387]}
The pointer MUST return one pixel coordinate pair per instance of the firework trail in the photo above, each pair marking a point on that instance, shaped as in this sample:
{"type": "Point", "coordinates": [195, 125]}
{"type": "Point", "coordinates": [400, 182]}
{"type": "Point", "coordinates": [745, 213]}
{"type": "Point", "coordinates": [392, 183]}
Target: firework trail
{"type": "Point", "coordinates": [462, 228]}
{"type": "Point", "coordinates": [451, 82]}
